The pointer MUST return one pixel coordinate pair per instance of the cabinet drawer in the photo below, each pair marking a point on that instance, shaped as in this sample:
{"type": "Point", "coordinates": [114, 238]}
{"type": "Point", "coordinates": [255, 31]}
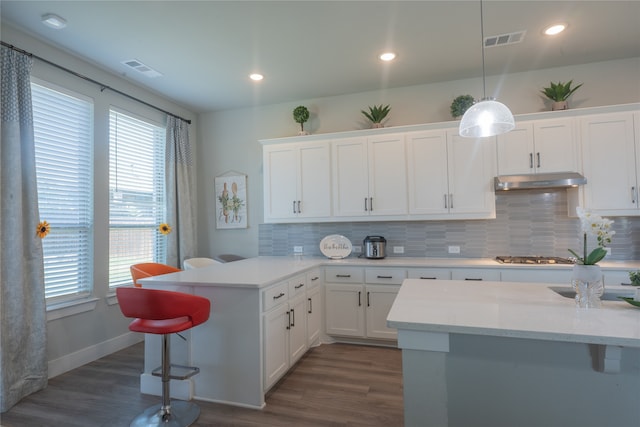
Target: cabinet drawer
{"type": "Point", "coordinates": [429, 273]}
{"type": "Point", "coordinates": [476, 274]}
{"type": "Point", "coordinates": [390, 276]}
{"type": "Point", "coordinates": [297, 285]}
{"type": "Point", "coordinates": [314, 278]}
{"type": "Point", "coordinates": [275, 296]}
{"type": "Point", "coordinates": [344, 275]}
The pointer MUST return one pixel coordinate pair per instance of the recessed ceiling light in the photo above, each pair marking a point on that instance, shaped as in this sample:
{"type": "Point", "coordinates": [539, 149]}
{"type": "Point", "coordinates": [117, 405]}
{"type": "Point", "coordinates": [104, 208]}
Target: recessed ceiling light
{"type": "Point", "coordinates": [388, 56]}
{"type": "Point", "coordinates": [555, 29]}
{"type": "Point", "coordinates": [54, 21]}
{"type": "Point", "coordinates": [256, 77]}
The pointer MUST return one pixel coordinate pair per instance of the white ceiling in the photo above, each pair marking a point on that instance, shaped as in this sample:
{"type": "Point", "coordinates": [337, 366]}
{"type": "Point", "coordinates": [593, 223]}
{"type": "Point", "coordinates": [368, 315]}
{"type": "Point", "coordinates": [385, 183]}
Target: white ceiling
{"type": "Point", "coordinates": [308, 49]}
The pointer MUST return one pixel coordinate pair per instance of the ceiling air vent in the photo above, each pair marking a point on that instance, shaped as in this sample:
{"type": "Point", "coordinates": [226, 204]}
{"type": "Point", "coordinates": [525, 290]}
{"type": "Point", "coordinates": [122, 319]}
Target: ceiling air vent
{"type": "Point", "coordinates": [141, 68]}
{"type": "Point", "coordinates": [504, 39]}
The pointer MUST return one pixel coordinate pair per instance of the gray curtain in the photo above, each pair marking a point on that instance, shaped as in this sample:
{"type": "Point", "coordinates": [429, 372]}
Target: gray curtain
{"type": "Point", "coordinates": [181, 193]}
{"type": "Point", "coordinates": [23, 334]}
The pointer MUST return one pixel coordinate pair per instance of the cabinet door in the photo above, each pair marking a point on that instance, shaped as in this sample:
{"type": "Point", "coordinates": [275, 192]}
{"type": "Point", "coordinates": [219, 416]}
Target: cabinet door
{"type": "Point", "coordinates": [387, 175]}
{"type": "Point", "coordinates": [297, 329]}
{"type": "Point", "coordinates": [427, 172]}
{"type": "Point", "coordinates": [314, 186]}
{"type": "Point", "coordinates": [350, 177]}
{"type": "Point", "coordinates": [515, 150]}
{"type": "Point", "coordinates": [555, 146]}
{"type": "Point", "coordinates": [471, 172]}
{"type": "Point", "coordinates": [609, 160]}
{"type": "Point", "coordinates": [344, 310]}
{"type": "Point", "coordinates": [379, 299]}
{"type": "Point", "coordinates": [276, 344]}
{"type": "Point", "coordinates": [314, 316]}
{"type": "Point", "coordinates": [280, 178]}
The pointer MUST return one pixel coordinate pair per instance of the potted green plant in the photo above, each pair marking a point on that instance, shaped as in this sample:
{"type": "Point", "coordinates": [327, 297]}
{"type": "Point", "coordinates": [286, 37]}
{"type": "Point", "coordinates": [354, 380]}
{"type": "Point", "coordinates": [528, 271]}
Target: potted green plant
{"type": "Point", "coordinates": [634, 276]}
{"type": "Point", "coordinates": [559, 93]}
{"type": "Point", "coordinates": [460, 105]}
{"type": "Point", "coordinates": [301, 115]}
{"type": "Point", "coordinates": [377, 114]}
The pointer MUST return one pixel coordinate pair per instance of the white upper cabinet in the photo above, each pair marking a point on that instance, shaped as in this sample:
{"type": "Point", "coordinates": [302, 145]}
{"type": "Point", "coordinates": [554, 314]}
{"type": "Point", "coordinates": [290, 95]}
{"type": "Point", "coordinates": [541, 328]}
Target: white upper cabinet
{"type": "Point", "coordinates": [611, 158]}
{"type": "Point", "coordinates": [539, 146]}
{"type": "Point", "coordinates": [297, 181]}
{"type": "Point", "coordinates": [450, 176]}
{"type": "Point", "coordinates": [369, 176]}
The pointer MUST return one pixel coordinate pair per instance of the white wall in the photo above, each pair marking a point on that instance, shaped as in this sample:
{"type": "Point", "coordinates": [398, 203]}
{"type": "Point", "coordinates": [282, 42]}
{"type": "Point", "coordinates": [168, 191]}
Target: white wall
{"type": "Point", "coordinates": [77, 339]}
{"type": "Point", "coordinates": [229, 139]}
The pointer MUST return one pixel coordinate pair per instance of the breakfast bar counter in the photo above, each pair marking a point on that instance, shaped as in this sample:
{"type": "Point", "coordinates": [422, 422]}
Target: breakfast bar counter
{"type": "Point", "coordinates": [504, 354]}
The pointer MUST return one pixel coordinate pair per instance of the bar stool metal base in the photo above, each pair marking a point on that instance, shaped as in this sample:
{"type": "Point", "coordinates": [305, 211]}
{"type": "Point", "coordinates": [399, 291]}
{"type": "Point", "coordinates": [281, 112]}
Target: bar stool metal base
{"type": "Point", "coordinates": [181, 414]}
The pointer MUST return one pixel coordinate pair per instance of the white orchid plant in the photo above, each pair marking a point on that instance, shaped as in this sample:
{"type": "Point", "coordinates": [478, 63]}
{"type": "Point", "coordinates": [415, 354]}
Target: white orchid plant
{"type": "Point", "coordinates": [593, 225]}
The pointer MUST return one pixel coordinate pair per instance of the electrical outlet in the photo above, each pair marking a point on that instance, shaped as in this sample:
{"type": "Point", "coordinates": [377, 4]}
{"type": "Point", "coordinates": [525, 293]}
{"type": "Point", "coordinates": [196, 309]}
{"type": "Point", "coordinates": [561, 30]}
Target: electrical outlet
{"type": "Point", "coordinates": [297, 249]}
{"type": "Point", "coordinates": [398, 249]}
{"type": "Point", "coordinates": [454, 249]}
{"type": "Point", "coordinates": [357, 249]}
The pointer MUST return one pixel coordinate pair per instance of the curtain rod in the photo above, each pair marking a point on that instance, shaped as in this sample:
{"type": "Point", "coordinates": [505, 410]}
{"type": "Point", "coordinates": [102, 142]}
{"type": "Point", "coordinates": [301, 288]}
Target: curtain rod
{"type": "Point", "coordinates": [102, 86]}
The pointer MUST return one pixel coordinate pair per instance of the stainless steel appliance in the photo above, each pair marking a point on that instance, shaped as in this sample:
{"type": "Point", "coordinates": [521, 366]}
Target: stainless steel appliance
{"type": "Point", "coordinates": [374, 247]}
{"type": "Point", "coordinates": [538, 180]}
{"type": "Point", "coordinates": [533, 260]}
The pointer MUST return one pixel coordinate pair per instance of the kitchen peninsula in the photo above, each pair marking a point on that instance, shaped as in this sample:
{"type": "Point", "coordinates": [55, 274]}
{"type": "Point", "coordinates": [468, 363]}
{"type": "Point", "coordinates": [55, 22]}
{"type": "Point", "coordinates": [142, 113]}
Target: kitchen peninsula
{"type": "Point", "coordinates": [506, 354]}
{"type": "Point", "coordinates": [262, 306]}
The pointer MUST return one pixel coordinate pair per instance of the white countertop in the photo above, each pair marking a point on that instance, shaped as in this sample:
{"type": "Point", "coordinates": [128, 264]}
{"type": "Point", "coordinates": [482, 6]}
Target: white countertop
{"type": "Point", "coordinates": [264, 271]}
{"type": "Point", "coordinates": [516, 310]}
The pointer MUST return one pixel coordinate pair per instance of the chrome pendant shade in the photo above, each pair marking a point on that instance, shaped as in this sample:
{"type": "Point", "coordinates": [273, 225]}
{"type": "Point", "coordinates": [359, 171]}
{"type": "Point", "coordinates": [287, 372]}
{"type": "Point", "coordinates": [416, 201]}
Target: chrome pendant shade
{"type": "Point", "coordinates": [487, 117]}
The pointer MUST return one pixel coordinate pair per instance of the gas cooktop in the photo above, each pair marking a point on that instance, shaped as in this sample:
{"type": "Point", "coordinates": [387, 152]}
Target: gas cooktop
{"type": "Point", "coordinates": [533, 260]}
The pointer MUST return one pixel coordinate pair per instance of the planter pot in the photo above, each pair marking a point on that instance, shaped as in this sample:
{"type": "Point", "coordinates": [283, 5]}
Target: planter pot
{"type": "Point", "coordinates": [637, 295]}
{"type": "Point", "coordinates": [588, 284]}
{"type": "Point", "coordinates": [560, 105]}
{"type": "Point", "coordinates": [377, 125]}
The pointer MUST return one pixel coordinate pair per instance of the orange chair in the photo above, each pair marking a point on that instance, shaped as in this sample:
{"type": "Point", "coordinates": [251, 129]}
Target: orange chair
{"type": "Point", "coordinates": [163, 313]}
{"type": "Point", "coordinates": [149, 269]}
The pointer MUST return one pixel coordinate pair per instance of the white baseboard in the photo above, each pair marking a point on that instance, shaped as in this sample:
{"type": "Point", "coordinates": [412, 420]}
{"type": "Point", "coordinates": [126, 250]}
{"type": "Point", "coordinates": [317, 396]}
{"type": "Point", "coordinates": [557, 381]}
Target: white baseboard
{"type": "Point", "coordinates": [86, 355]}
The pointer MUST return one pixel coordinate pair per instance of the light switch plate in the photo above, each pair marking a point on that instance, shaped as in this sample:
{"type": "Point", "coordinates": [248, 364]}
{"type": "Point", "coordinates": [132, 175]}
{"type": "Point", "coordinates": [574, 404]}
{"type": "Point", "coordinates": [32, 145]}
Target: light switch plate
{"type": "Point", "coordinates": [297, 249]}
{"type": "Point", "coordinates": [398, 249]}
{"type": "Point", "coordinates": [454, 249]}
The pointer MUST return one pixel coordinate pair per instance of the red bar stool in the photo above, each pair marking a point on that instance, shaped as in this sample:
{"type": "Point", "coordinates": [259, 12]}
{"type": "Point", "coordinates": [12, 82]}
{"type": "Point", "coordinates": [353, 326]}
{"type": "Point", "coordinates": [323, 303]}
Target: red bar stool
{"type": "Point", "coordinates": [149, 269]}
{"type": "Point", "coordinates": [164, 312]}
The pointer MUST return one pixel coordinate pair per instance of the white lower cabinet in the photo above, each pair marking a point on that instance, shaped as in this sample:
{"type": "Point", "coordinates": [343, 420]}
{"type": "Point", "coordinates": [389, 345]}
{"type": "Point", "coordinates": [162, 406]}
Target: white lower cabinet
{"type": "Point", "coordinates": [358, 309]}
{"type": "Point", "coordinates": [285, 327]}
{"type": "Point", "coordinates": [476, 274]}
{"type": "Point", "coordinates": [314, 307]}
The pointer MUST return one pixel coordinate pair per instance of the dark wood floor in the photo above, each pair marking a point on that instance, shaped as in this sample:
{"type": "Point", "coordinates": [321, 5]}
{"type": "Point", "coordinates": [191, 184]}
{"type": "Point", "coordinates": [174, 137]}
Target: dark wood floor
{"type": "Point", "coordinates": [332, 385]}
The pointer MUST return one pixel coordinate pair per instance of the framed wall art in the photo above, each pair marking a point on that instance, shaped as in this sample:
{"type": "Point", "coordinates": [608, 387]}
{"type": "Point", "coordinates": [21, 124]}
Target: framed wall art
{"type": "Point", "coordinates": [231, 200]}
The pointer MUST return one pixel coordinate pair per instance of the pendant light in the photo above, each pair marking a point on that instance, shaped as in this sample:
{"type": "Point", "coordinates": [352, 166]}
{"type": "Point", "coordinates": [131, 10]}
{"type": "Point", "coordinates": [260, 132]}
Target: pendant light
{"type": "Point", "coordinates": [487, 117]}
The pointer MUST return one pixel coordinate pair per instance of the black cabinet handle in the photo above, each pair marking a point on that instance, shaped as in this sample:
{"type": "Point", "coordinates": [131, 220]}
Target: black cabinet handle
{"type": "Point", "coordinates": [371, 204]}
{"type": "Point", "coordinates": [538, 156]}
{"type": "Point", "coordinates": [428, 278]}
{"type": "Point", "coordinates": [299, 286]}
{"type": "Point", "coordinates": [473, 278]}
{"type": "Point", "coordinates": [293, 318]}
{"type": "Point", "coordinates": [368, 299]}
{"type": "Point", "coordinates": [299, 211]}
{"type": "Point", "coordinates": [288, 320]}
{"type": "Point", "coordinates": [385, 277]}
{"type": "Point", "coordinates": [310, 305]}
{"type": "Point", "coordinates": [359, 299]}
{"type": "Point", "coordinates": [530, 160]}
{"type": "Point", "coordinates": [365, 204]}
{"type": "Point", "coordinates": [313, 279]}
{"type": "Point", "coordinates": [294, 206]}
{"type": "Point", "coordinates": [346, 276]}
{"type": "Point", "coordinates": [278, 296]}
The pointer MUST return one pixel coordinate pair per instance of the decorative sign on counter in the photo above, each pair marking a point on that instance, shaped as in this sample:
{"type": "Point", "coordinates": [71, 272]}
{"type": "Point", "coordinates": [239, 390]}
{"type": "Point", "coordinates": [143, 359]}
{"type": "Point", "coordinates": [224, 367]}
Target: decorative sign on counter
{"type": "Point", "coordinates": [335, 246]}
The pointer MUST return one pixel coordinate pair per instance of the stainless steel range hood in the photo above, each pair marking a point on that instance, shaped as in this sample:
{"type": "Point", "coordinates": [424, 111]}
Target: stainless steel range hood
{"type": "Point", "coordinates": [538, 180]}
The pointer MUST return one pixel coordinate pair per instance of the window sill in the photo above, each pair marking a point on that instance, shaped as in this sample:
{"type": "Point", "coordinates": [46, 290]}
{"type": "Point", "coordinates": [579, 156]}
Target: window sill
{"type": "Point", "coordinates": [111, 298]}
{"type": "Point", "coordinates": [69, 308]}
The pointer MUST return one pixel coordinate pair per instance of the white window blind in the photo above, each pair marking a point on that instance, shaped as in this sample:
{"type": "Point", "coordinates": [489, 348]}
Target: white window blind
{"type": "Point", "coordinates": [63, 131]}
{"type": "Point", "coordinates": [136, 195]}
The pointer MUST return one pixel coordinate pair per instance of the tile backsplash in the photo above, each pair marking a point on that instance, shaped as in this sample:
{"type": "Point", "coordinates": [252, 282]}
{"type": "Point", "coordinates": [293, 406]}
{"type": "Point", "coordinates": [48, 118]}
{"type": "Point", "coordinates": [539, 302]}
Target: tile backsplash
{"type": "Point", "coordinates": [532, 222]}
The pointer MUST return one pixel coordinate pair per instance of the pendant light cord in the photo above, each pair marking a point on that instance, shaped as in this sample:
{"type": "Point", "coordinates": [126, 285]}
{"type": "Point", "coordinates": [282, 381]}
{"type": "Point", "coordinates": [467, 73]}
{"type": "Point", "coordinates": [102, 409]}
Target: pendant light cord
{"type": "Point", "coordinates": [484, 83]}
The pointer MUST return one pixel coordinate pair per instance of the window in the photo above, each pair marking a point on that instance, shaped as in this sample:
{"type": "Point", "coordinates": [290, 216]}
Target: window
{"type": "Point", "coordinates": [136, 195]}
{"type": "Point", "coordinates": [63, 132]}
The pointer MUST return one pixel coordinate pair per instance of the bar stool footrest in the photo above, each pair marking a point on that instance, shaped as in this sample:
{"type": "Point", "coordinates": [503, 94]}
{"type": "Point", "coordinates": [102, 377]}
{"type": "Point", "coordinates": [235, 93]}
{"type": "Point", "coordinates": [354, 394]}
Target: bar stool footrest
{"type": "Point", "coordinates": [177, 372]}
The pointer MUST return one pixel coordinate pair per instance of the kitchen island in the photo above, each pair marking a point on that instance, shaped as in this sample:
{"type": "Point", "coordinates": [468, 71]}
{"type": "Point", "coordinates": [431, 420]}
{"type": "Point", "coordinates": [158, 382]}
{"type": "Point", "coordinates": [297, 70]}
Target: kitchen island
{"type": "Point", "coordinates": [506, 354]}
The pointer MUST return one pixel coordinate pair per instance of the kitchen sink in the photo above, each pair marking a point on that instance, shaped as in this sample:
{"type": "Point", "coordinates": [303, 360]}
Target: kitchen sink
{"type": "Point", "coordinates": [609, 295]}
